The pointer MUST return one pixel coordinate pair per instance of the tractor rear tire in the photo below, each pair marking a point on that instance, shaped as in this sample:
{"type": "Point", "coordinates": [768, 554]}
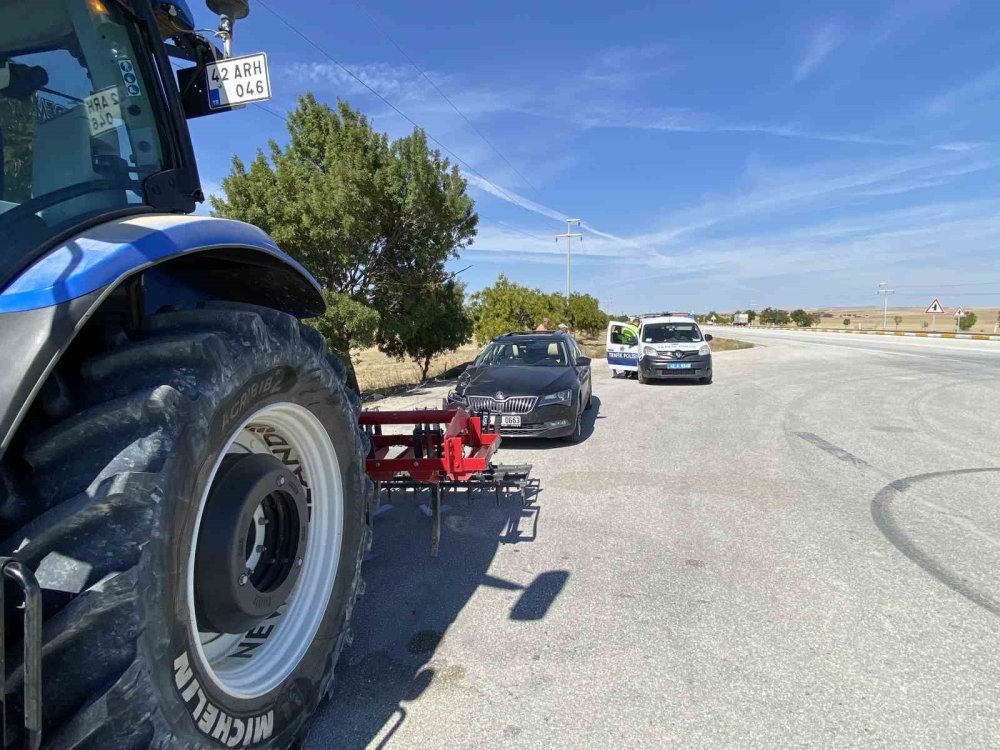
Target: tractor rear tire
{"type": "Point", "coordinates": [118, 491]}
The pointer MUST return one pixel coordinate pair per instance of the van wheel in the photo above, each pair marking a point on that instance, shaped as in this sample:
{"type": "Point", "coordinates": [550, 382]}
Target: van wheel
{"type": "Point", "coordinates": [198, 533]}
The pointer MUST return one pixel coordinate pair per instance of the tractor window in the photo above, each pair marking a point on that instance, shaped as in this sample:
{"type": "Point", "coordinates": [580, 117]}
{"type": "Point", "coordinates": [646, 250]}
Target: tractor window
{"type": "Point", "coordinates": [78, 128]}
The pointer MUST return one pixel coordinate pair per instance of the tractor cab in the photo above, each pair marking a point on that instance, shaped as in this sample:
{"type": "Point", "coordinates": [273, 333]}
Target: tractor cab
{"type": "Point", "coordinates": [92, 123]}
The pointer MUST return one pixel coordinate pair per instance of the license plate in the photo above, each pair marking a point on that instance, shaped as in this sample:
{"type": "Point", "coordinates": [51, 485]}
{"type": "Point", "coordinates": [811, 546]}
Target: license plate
{"type": "Point", "coordinates": [510, 421]}
{"type": "Point", "coordinates": [238, 80]}
{"type": "Point", "coordinates": [679, 366]}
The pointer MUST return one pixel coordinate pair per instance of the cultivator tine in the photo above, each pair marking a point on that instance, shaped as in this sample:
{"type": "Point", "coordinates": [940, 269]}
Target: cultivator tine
{"type": "Point", "coordinates": [435, 519]}
{"type": "Point", "coordinates": [444, 448]}
{"type": "Point", "coordinates": [32, 669]}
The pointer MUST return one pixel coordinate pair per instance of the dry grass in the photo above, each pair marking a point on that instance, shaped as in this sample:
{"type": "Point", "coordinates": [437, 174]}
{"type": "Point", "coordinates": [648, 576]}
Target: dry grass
{"type": "Point", "coordinates": [379, 373]}
{"type": "Point", "coordinates": [913, 319]}
{"type": "Point", "coordinates": [727, 345]}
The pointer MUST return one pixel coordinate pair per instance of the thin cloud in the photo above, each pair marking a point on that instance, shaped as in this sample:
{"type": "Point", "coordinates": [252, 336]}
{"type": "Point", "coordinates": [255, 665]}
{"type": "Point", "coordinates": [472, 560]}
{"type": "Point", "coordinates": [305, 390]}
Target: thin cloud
{"type": "Point", "coordinates": [777, 191]}
{"type": "Point", "coordinates": [679, 120]}
{"type": "Point", "coordinates": [821, 44]}
{"type": "Point", "coordinates": [513, 198]}
{"type": "Point", "coordinates": [392, 81]}
{"type": "Point", "coordinates": [622, 66]}
{"type": "Point", "coordinates": [534, 207]}
{"type": "Point", "coordinates": [959, 146]}
{"type": "Point", "coordinates": [968, 93]}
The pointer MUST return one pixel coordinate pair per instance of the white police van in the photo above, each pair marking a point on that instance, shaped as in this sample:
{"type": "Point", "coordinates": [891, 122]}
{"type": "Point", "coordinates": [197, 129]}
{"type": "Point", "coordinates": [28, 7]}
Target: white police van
{"type": "Point", "coordinates": [673, 347]}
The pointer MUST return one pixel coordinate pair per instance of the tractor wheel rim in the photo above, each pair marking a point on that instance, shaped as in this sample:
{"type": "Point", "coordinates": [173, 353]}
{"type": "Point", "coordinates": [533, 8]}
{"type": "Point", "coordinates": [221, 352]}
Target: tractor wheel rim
{"type": "Point", "coordinates": [251, 664]}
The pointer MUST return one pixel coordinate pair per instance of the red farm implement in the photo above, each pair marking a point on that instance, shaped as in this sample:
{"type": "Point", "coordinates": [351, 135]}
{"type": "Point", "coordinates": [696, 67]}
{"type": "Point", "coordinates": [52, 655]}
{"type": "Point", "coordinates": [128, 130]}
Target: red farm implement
{"type": "Point", "coordinates": [445, 448]}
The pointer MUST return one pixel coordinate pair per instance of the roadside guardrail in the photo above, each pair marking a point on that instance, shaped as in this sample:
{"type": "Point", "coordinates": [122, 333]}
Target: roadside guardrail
{"type": "Point", "coordinates": [913, 334]}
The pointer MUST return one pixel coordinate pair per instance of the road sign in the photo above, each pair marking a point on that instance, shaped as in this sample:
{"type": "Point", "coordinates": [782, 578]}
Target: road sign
{"type": "Point", "coordinates": [935, 308]}
{"type": "Point", "coordinates": [960, 313]}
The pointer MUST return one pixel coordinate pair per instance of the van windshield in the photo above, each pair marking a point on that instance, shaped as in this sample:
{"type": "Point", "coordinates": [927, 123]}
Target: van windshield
{"type": "Point", "coordinates": [78, 125]}
{"type": "Point", "coordinates": [661, 333]}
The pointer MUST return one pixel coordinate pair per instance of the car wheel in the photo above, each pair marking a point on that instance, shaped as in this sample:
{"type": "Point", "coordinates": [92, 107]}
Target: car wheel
{"type": "Point", "coordinates": [706, 381]}
{"type": "Point", "coordinates": [642, 378]}
{"type": "Point", "coordinates": [577, 435]}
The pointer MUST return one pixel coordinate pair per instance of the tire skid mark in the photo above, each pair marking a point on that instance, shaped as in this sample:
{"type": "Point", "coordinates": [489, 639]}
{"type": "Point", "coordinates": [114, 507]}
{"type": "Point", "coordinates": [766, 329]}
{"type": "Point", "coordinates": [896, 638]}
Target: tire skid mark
{"type": "Point", "coordinates": [836, 451]}
{"type": "Point", "coordinates": [884, 518]}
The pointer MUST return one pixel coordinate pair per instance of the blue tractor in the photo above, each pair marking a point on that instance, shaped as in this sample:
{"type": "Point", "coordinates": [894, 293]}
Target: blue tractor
{"type": "Point", "coordinates": [182, 485]}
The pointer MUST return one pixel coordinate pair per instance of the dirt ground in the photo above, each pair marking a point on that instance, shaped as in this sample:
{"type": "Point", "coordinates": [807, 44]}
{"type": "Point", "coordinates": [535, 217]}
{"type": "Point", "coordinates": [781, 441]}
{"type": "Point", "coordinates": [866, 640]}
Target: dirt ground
{"type": "Point", "coordinates": [913, 319]}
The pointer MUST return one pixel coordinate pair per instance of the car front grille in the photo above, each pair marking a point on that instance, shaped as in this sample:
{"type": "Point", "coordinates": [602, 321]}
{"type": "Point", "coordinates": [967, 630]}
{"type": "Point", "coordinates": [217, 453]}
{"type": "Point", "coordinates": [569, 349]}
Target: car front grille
{"type": "Point", "coordinates": [672, 353]}
{"type": "Point", "coordinates": [509, 405]}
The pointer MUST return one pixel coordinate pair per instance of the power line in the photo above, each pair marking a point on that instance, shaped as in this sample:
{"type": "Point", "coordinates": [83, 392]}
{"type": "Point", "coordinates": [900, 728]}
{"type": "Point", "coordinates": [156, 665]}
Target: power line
{"type": "Point", "coordinates": [521, 231]}
{"type": "Point", "coordinates": [444, 96]}
{"type": "Point", "coordinates": [951, 286]}
{"type": "Point", "coordinates": [271, 112]}
{"type": "Point", "coordinates": [960, 295]}
{"type": "Point", "coordinates": [392, 106]}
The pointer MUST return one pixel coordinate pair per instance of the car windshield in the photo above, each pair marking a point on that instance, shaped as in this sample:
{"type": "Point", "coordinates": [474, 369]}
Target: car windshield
{"type": "Point", "coordinates": [662, 333]}
{"type": "Point", "coordinates": [78, 125]}
{"type": "Point", "coordinates": [525, 353]}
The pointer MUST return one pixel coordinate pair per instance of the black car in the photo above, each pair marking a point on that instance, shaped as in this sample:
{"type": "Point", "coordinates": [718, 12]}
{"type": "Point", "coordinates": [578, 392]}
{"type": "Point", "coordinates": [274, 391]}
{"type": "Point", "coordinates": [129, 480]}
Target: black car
{"type": "Point", "coordinates": [531, 384]}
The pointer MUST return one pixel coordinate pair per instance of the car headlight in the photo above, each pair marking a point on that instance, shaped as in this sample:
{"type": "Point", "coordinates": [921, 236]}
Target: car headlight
{"type": "Point", "coordinates": [705, 350]}
{"type": "Point", "coordinates": [562, 397]}
{"type": "Point", "coordinates": [650, 351]}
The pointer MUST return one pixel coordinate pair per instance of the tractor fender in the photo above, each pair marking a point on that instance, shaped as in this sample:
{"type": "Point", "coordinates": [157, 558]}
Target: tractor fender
{"type": "Point", "coordinates": [182, 259]}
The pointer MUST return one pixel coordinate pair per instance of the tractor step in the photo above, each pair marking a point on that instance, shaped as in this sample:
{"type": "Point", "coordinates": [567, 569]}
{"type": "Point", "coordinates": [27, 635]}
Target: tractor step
{"type": "Point", "coordinates": [25, 732]}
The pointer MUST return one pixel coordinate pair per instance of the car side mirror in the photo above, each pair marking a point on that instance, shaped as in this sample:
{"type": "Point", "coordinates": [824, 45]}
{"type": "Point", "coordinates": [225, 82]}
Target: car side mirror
{"type": "Point", "coordinates": [709, 337]}
{"type": "Point", "coordinates": [583, 361]}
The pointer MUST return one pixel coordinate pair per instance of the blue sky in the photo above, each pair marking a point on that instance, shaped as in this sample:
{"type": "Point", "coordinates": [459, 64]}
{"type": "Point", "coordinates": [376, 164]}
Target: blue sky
{"type": "Point", "coordinates": [720, 153]}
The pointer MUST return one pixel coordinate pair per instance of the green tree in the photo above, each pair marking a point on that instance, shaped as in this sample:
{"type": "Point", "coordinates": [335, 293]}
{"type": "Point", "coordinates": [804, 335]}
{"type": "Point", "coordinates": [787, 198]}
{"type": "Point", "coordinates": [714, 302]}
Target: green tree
{"type": "Point", "coordinates": [374, 221]}
{"type": "Point", "coordinates": [897, 319]}
{"type": "Point", "coordinates": [585, 314]}
{"type": "Point", "coordinates": [751, 315]}
{"type": "Point", "coordinates": [506, 306]}
{"type": "Point", "coordinates": [346, 323]}
{"type": "Point", "coordinates": [17, 124]}
{"type": "Point", "coordinates": [426, 324]}
{"type": "Point", "coordinates": [966, 322]}
{"type": "Point", "coordinates": [772, 316]}
{"type": "Point", "coordinates": [847, 322]}
{"type": "Point", "coordinates": [802, 319]}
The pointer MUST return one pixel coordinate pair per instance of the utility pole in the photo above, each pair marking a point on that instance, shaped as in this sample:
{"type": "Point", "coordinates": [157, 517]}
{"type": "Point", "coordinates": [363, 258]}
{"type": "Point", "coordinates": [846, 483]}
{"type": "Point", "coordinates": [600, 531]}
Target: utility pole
{"type": "Point", "coordinates": [569, 235]}
{"type": "Point", "coordinates": [885, 292]}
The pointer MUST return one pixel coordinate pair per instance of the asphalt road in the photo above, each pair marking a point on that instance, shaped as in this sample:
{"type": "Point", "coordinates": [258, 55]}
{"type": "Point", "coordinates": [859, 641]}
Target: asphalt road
{"type": "Point", "coordinates": [803, 554]}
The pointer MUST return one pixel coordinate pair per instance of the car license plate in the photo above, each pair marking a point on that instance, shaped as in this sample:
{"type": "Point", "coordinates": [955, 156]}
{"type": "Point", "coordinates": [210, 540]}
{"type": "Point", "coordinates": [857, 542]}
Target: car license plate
{"type": "Point", "coordinates": [238, 80]}
{"type": "Point", "coordinates": [510, 421]}
{"type": "Point", "coordinates": [679, 366]}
